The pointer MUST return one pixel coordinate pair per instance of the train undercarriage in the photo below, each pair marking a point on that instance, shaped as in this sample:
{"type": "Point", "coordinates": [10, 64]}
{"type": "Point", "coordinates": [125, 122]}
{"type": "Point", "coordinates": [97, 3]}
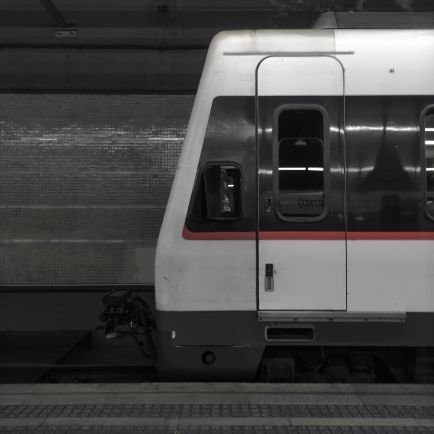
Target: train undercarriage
{"type": "Point", "coordinates": [223, 346]}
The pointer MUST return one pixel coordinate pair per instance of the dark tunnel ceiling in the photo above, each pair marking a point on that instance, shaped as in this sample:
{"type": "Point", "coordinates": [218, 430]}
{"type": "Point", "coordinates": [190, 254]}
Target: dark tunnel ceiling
{"type": "Point", "coordinates": [166, 23]}
{"type": "Point", "coordinates": [109, 44]}
{"type": "Point", "coordinates": [189, 13]}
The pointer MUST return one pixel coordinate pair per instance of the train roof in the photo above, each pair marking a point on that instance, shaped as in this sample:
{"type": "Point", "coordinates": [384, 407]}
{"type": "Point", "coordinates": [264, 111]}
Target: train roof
{"type": "Point", "coordinates": [376, 61]}
{"type": "Point", "coordinates": [375, 20]}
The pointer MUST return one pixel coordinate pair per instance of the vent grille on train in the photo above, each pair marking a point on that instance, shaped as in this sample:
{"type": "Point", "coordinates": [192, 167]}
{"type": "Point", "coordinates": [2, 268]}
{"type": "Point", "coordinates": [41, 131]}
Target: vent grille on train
{"type": "Point", "coordinates": [375, 20]}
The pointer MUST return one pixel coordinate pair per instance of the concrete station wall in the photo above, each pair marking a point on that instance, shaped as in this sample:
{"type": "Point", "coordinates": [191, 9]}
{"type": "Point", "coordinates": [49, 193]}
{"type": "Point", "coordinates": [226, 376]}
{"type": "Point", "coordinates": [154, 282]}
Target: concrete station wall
{"type": "Point", "coordinates": [84, 181]}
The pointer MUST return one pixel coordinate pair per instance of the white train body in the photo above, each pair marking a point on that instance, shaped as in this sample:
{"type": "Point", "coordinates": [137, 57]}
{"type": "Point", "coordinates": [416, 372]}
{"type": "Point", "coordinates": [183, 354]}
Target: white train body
{"type": "Point", "coordinates": [346, 260]}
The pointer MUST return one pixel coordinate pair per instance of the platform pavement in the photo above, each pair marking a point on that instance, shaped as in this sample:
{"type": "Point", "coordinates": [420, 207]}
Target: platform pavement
{"type": "Point", "coordinates": [193, 408]}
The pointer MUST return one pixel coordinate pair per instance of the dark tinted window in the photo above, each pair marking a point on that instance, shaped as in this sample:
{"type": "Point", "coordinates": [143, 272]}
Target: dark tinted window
{"type": "Point", "coordinates": [429, 160]}
{"type": "Point", "coordinates": [218, 193]}
{"type": "Point", "coordinates": [301, 163]}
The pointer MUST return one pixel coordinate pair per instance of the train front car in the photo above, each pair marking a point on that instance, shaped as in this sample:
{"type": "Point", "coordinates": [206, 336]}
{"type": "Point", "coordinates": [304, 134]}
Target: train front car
{"type": "Point", "coordinates": [299, 233]}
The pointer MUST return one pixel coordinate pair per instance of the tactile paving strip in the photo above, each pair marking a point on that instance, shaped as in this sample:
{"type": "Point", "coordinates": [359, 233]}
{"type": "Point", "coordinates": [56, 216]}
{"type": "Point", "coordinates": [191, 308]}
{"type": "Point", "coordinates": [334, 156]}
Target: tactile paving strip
{"type": "Point", "coordinates": [215, 410]}
{"type": "Point", "coordinates": [218, 430]}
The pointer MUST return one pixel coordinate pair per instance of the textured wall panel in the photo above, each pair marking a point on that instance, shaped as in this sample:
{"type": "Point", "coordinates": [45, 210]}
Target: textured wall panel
{"type": "Point", "coordinates": [84, 180]}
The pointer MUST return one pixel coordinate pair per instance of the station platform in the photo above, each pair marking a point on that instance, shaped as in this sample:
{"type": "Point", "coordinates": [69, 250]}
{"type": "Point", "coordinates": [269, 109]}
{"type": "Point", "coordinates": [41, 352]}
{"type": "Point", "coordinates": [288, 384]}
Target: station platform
{"type": "Point", "coordinates": [193, 408]}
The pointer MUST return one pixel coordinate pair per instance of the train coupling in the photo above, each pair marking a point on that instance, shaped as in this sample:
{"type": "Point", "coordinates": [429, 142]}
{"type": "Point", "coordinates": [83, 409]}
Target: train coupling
{"type": "Point", "coordinates": [126, 314]}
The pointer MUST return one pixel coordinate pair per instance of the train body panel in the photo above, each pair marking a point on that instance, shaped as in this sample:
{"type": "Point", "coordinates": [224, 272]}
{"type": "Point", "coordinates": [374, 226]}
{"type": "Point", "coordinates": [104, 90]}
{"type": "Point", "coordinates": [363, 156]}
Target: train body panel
{"type": "Point", "coordinates": [387, 62]}
{"type": "Point", "coordinates": [390, 275]}
{"type": "Point", "coordinates": [306, 184]}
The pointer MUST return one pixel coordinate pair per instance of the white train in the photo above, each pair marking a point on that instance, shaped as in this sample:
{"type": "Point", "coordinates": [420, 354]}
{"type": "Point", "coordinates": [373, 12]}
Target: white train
{"type": "Point", "coordinates": [301, 218]}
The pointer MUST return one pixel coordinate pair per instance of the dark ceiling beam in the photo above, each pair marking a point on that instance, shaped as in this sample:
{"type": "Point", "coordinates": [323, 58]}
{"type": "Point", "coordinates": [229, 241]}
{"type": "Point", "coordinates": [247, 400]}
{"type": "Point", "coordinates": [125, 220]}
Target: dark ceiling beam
{"type": "Point", "coordinates": [57, 16]}
{"type": "Point", "coordinates": [147, 38]}
{"type": "Point", "coordinates": [105, 47]}
{"type": "Point", "coordinates": [228, 5]}
{"type": "Point", "coordinates": [100, 70]}
{"type": "Point", "coordinates": [186, 13]}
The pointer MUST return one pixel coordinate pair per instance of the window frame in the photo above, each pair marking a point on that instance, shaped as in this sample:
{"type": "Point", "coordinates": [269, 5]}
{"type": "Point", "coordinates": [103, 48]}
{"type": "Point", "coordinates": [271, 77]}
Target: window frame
{"type": "Point", "coordinates": [326, 160]}
{"type": "Point", "coordinates": [423, 167]}
{"type": "Point", "coordinates": [197, 184]}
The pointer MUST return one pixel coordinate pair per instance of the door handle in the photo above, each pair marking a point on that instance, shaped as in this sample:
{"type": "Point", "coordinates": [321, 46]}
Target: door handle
{"type": "Point", "coordinates": [269, 277]}
{"type": "Point", "coordinates": [268, 205]}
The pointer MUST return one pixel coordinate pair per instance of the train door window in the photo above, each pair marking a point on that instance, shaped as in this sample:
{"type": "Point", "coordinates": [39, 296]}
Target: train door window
{"type": "Point", "coordinates": [299, 160]}
{"type": "Point", "coordinates": [428, 140]}
{"type": "Point", "coordinates": [218, 193]}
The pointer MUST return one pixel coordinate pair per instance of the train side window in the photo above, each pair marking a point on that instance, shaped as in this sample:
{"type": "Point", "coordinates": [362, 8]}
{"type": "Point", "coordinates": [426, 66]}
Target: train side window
{"type": "Point", "coordinates": [218, 193]}
{"type": "Point", "coordinates": [428, 140]}
{"type": "Point", "coordinates": [299, 155]}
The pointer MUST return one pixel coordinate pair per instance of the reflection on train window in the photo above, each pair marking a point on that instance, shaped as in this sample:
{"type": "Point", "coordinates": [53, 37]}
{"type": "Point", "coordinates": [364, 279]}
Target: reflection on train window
{"type": "Point", "coordinates": [218, 193]}
{"type": "Point", "coordinates": [301, 163]}
{"type": "Point", "coordinates": [429, 160]}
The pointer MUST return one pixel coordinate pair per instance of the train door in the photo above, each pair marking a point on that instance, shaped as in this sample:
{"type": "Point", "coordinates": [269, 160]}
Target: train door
{"type": "Point", "coordinates": [301, 246]}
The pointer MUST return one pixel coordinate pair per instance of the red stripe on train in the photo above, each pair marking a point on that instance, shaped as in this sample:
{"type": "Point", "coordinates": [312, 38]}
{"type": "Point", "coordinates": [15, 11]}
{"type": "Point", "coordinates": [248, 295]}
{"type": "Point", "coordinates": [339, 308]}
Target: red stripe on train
{"type": "Point", "coordinates": [301, 235]}
{"type": "Point", "coordinates": [307, 235]}
{"type": "Point", "coordinates": [390, 235]}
